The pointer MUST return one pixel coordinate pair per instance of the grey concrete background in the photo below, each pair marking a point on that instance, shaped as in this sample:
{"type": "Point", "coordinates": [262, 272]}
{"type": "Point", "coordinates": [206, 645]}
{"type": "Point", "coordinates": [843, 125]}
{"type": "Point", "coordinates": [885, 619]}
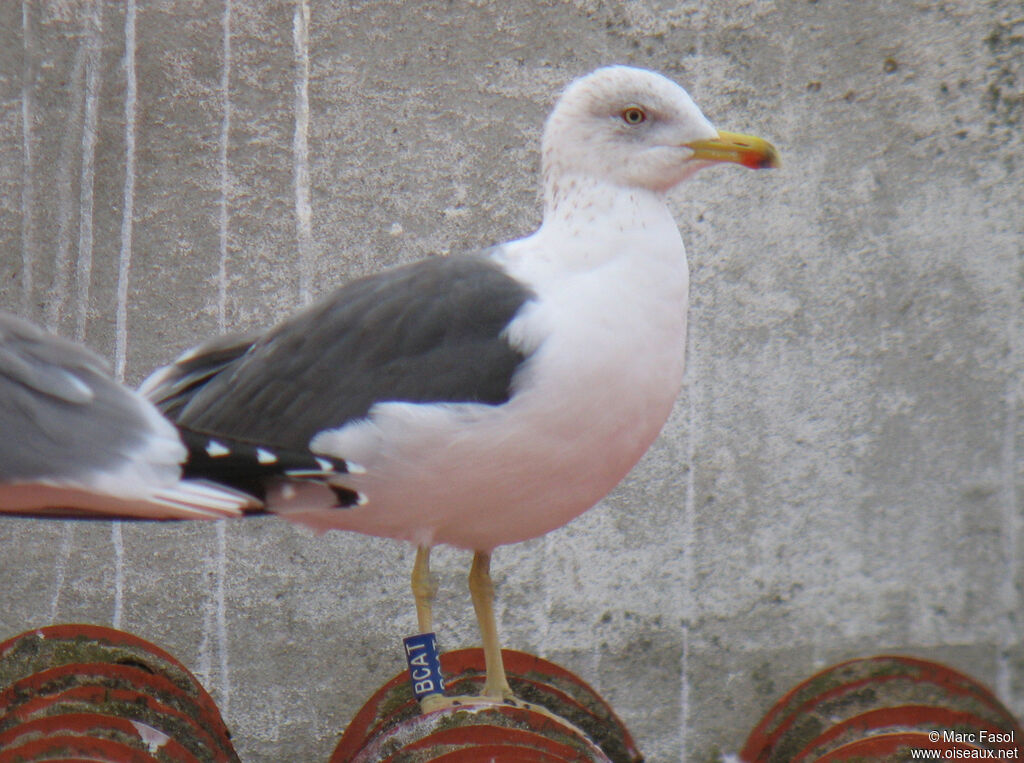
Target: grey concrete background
{"type": "Point", "coordinates": [842, 476]}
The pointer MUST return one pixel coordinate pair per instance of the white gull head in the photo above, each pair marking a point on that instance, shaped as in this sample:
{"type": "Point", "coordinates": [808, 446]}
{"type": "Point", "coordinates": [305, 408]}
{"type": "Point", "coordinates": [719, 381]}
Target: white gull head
{"type": "Point", "coordinates": [635, 129]}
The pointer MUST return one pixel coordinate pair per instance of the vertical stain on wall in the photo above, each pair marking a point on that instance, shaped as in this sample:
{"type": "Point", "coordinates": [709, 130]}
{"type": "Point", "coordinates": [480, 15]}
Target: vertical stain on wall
{"type": "Point", "coordinates": [60, 569]}
{"type": "Point", "coordinates": [124, 259]}
{"type": "Point", "coordinates": [117, 542]}
{"type": "Point", "coordinates": [93, 83]}
{"type": "Point", "coordinates": [300, 149]}
{"type": "Point", "coordinates": [222, 617]}
{"type": "Point", "coordinates": [28, 195]}
{"type": "Point", "coordinates": [225, 135]}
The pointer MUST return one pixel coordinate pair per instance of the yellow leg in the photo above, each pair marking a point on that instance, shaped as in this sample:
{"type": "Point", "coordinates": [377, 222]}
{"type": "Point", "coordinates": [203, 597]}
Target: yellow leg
{"type": "Point", "coordinates": [424, 589]}
{"type": "Point", "coordinates": [496, 690]}
{"type": "Point", "coordinates": [481, 589]}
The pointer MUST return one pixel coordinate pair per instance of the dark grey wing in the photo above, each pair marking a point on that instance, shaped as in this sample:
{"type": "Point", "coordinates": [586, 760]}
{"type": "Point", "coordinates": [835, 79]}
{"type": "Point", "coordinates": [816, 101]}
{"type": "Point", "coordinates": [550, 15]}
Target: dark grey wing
{"type": "Point", "coordinates": [227, 460]}
{"type": "Point", "coordinates": [427, 332]}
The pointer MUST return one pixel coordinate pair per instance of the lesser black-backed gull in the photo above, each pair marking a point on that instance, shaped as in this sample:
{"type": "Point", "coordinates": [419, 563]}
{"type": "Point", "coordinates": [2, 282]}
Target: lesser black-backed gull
{"type": "Point", "coordinates": [486, 399]}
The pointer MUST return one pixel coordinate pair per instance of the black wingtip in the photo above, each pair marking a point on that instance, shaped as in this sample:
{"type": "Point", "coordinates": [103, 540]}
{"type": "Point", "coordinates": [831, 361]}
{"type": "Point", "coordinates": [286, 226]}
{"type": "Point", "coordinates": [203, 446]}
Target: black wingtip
{"type": "Point", "coordinates": [247, 466]}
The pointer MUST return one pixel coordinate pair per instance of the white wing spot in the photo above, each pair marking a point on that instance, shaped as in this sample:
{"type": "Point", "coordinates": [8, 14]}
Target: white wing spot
{"type": "Point", "coordinates": [325, 465]}
{"type": "Point", "coordinates": [265, 456]}
{"type": "Point", "coordinates": [354, 468]}
{"type": "Point", "coordinates": [215, 450]}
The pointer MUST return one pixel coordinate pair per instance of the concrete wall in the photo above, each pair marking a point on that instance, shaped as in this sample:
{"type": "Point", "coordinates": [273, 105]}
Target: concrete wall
{"type": "Point", "coordinates": [842, 476]}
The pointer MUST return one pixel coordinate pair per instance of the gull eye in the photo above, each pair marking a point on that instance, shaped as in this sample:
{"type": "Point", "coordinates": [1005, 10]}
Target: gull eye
{"type": "Point", "coordinates": [634, 115]}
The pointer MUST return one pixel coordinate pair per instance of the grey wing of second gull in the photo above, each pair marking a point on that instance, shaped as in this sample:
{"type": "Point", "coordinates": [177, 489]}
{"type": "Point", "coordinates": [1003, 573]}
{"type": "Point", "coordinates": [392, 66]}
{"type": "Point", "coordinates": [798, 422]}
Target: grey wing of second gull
{"type": "Point", "coordinates": [62, 416]}
{"type": "Point", "coordinates": [430, 331]}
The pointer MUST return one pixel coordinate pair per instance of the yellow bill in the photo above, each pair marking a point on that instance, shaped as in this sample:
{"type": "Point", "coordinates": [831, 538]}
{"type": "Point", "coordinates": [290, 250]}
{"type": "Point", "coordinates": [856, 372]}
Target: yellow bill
{"type": "Point", "coordinates": [747, 150]}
